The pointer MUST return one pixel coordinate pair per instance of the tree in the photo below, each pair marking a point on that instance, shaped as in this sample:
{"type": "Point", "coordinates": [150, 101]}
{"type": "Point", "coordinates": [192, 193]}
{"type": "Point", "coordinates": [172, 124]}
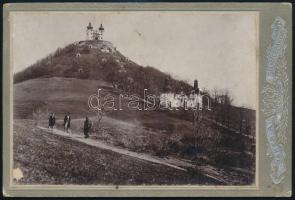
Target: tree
{"type": "Point", "coordinates": [225, 104]}
{"type": "Point", "coordinates": [228, 104]}
{"type": "Point", "coordinates": [99, 116]}
{"type": "Point", "coordinates": [197, 124]}
{"type": "Point", "coordinates": [215, 95]}
{"type": "Point", "coordinates": [241, 119]}
{"type": "Point", "coordinates": [100, 112]}
{"type": "Point", "coordinates": [39, 115]}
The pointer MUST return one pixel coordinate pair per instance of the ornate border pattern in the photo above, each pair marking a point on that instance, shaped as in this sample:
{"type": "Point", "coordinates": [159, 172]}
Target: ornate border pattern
{"type": "Point", "coordinates": [275, 99]}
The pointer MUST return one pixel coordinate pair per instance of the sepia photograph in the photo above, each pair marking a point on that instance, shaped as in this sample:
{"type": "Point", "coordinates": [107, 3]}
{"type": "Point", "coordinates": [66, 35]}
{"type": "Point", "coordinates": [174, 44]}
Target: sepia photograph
{"type": "Point", "coordinates": [135, 98]}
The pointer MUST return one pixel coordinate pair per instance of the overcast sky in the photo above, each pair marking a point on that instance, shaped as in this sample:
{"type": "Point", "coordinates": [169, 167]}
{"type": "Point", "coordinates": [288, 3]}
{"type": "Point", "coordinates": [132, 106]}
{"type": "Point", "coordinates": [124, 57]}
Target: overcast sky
{"type": "Point", "coordinates": [217, 48]}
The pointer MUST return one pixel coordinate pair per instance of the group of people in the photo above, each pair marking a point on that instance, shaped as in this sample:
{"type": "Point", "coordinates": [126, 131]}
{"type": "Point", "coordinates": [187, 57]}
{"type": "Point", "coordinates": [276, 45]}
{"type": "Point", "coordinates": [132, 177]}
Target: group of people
{"type": "Point", "coordinates": [67, 124]}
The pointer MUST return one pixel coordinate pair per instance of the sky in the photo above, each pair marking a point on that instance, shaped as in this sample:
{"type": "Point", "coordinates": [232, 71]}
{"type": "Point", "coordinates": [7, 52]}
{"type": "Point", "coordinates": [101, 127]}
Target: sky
{"type": "Point", "coordinates": [219, 49]}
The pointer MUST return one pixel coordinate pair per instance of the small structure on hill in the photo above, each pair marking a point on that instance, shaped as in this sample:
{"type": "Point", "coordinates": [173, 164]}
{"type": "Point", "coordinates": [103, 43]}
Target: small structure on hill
{"type": "Point", "coordinates": [81, 70]}
{"type": "Point", "coordinates": [193, 100]}
{"type": "Point", "coordinates": [94, 34]}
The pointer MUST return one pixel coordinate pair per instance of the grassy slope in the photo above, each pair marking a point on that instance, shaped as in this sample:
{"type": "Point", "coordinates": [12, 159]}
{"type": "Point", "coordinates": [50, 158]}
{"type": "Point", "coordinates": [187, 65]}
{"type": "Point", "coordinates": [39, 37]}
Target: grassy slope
{"type": "Point", "coordinates": [49, 159]}
{"type": "Point", "coordinates": [158, 133]}
{"type": "Point", "coordinates": [59, 95]}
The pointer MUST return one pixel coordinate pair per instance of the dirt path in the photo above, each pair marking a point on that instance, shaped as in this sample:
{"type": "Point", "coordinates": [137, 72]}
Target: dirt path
{"type": "Point", "coordinates": [95, 143]}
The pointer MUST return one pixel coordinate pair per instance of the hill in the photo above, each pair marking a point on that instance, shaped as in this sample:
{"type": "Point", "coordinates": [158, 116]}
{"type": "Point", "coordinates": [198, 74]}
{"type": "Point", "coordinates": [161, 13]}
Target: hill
{"type": "Point", "coordinates": [100, 60]}
{"type": "Point", "coordinates": [63, 81]}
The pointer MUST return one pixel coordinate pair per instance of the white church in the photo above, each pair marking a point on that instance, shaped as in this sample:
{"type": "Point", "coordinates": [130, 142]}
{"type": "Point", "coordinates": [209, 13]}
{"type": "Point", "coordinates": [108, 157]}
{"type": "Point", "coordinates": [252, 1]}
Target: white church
{"type": "Point", "coordinates": [94, 34]}
{"type": "Point", "coordinates": [194, 100]}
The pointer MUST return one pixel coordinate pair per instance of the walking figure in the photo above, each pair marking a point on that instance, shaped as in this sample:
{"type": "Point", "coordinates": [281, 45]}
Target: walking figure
{"type": "Point", "coordinates": [51, 121]}
{"type": "Point", "coordinates": [67, 122]}
{"type": "Point", "coordinates": [87, 127]}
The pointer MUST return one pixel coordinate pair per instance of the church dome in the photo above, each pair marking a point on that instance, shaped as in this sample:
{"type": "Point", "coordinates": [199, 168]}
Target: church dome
{"type": "Point", "coordinates": [89, 26]}
{"type": "Point", "coordinates": [101, 28]}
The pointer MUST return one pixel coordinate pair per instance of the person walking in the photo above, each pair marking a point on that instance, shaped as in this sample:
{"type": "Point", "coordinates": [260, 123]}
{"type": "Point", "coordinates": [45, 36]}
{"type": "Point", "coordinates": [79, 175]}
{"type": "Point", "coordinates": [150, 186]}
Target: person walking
{"type": "Point", "coordinates": [87, 127]}
{"type": "Point", "coordinates": [51, 121]}
{"type": "Point", "coordinates": [67, 122]}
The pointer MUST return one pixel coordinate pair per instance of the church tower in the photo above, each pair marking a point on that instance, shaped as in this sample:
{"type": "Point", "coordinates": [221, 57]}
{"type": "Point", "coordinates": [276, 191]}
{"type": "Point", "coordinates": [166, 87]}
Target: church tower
{"type": "Point", "coordinates": [94, 34]}
{"type": "Point", "coordinates": [196, 86]}
{"type": "Point", "coordinates": [89, 31]}
{"type": "Point", "coordinates": [100, 32]}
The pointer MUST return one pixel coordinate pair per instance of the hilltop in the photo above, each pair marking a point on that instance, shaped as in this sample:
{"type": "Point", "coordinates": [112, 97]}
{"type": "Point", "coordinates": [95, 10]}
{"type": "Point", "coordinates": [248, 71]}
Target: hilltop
{"type": "Point", "coordinates": [100, 60]}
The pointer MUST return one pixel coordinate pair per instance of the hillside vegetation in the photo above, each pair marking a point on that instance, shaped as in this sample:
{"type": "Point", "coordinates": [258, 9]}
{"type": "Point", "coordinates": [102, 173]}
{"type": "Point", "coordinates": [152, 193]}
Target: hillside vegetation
{"type": "Point", "coordinates": [100, 60]}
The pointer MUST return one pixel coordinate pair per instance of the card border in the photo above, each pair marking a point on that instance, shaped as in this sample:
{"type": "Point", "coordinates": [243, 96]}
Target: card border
{"type": "Point", "coordinates": [265, 187]}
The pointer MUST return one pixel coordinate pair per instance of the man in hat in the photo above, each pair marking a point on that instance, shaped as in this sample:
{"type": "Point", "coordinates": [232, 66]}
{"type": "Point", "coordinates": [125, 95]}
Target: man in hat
{"type": "Point", "coordinates": [51, 121]}
{"type": "Point", "coordinates": [67, 122]}
{"type": "Point", "coordinates": [87, 127]}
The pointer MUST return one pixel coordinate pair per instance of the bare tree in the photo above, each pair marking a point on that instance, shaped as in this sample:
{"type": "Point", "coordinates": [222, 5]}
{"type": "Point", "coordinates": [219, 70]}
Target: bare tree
{"type": "Point", "coordinates": [240, 119]}
{"type": "Point", "coordinates": [100, 112]}
{"type": "Point", "coordinates": [228, 105]}
{"type": "Point", "coordinates": [40, 114]}
{"type": "Point", "coordinates": [99, 115]}
{"type": "Point", "coordinates": [215, 95]}
{"type": "Point", "coordinates": [197, 124]}
{"type": "Point", "coordinates": [225, 107]}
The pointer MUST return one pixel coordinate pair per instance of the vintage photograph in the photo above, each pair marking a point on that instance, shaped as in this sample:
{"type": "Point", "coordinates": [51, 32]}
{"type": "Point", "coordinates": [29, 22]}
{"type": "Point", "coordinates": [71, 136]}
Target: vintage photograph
{"type": "Point", "coordinates": [134, 98]}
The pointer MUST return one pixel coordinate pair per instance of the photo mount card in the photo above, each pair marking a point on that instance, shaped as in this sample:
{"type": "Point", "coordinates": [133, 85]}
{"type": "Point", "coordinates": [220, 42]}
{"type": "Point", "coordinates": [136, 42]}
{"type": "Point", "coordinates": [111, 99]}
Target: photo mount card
{"type": "Point", "coordinates": [147, 99]}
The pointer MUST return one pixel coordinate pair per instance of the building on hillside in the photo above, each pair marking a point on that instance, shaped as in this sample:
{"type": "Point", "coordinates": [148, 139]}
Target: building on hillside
{"type": "Point", "coordinates": [94, 34]}
{"type": "Point", "coordinates": [171, 100]}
